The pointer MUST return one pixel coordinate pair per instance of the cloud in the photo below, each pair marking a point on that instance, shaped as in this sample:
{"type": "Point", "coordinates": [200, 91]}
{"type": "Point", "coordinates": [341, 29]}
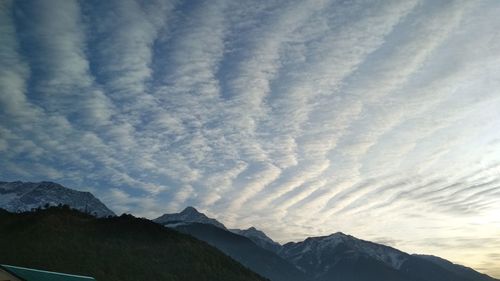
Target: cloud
{"type": "Point", "coordinates": [14, 70]}
{"type": "Point", "coordinates": [299, 117]}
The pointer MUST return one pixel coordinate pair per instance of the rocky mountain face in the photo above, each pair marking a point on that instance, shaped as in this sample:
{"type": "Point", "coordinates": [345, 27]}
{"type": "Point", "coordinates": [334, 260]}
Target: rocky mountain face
{"type": "Point", "coordinates": [24, 196]}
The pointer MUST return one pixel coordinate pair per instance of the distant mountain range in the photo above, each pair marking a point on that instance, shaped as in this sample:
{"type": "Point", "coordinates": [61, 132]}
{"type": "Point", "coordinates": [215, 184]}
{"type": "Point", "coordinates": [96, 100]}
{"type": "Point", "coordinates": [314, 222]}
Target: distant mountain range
{"type": "Point", "coordinates": [240, 248]}
{"type": "Point", "coordinates": [336, 257]}
{"type": "Point", "coordinates": [344, 257]}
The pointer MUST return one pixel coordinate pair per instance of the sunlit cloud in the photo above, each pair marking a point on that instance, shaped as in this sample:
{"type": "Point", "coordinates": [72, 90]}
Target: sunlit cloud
{"type": "Point", "coordinates": [378, 119]}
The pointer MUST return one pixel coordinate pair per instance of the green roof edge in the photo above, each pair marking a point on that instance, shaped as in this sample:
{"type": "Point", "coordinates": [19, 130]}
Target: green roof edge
{"type": "Point", "coordinates": [6, 267]}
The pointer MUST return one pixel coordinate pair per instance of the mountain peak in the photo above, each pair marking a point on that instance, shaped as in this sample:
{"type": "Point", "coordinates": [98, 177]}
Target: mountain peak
{"type": "Point", "coordinates": [339, 235]}
{"type": "Point", "coordinates": [190, 210]}
{"type": "Point", "coordinates": [21, 196]}
{"type": "Point", "coordinates": [48, 183]}
{"type": "Point", "coordinates": [311, 250]}
{"type": "Point", "coordinates": [253, 230]}
{"type": "Point", "coordinates": [259, 238]}
{"type": "Point", "coordinates": [188, 215]}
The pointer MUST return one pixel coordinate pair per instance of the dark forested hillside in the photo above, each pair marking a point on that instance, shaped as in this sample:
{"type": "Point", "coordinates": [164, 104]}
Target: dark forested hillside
{"type": "Point", "coordinates": [121, 248]}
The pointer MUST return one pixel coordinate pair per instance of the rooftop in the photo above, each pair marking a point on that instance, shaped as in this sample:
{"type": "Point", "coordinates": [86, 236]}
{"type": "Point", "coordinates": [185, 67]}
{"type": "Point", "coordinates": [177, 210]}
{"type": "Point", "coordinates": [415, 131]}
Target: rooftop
{"type": "Point", "coordinates": [29, 274]}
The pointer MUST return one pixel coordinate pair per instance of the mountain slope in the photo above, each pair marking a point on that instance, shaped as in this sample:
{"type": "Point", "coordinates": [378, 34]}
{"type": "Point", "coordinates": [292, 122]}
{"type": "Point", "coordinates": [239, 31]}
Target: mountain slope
{"type": "Point", "coordinates": [312, 253]}
{"type": "Point", "coordinates": [259, 238]}
{"type": "Point", "coordinates": [113, 249]}
{"type": "Point", "coordinates": [23, 196]}
{"type": "Point", "coordinates": [456, 268]}
{"type": "Point", "coordinates": [242, 249]}
{"type": "Point", "coordinates": [343, 257]}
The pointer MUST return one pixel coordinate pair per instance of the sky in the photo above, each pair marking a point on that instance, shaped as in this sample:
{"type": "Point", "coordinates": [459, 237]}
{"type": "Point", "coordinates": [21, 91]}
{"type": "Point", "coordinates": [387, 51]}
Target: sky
{"type": "Point", "coordinates": [379, 118]}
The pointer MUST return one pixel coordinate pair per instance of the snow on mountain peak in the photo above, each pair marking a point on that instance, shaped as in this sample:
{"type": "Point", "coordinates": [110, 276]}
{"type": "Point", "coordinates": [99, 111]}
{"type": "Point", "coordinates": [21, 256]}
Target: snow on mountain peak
{"type": "Point", "coordinates": [252, 231]}
{"type": "Point", "coordinates": [188, 215]}
{"type": "Point", "coordinates": [190, 210]}
{"type": "Point", "coordinates": [315, 249]}
{"type": "Point", "coordinates": [23, 196]}
{"type": "Point", "coordinates": [259, 238]}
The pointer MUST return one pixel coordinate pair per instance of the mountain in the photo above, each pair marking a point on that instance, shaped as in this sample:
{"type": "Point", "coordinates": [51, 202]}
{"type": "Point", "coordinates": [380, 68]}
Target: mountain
{"type": "Point", "coordinates": [335, 257]}
{"type": "Point", "coordinates": [24, 196]}
{"type": "Point", "coordinates": [126, 240]}
{"type": "Point", "coordinates": [456, 268]}
{"type": "Point", "coordinates": [343, 257]}
{"type": "Point", "coordinates": [240, 248]}
{"type": "Point", "coordinates": [259, 238]}
{"type": "Point", "coordinates": [314, 252]}
{"type": "Point", "coordinates": [121, 248]}
{"type": "Point", "coordinates": [188, 215]}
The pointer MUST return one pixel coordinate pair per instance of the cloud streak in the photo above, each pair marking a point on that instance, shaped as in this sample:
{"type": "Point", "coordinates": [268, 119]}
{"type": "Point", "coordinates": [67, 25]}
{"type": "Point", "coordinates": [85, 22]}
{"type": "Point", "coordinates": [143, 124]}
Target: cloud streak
{"type": "Point", "coordinates": [298, 117]}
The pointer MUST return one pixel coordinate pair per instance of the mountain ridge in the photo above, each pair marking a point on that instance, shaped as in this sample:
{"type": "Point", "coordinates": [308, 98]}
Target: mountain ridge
{"type": "Point", "coordinates": [241, 248]}
{"type": "Point", "coordinates": [245, 251]}
{"type": "Point", "coordinates": [348, 254]}
{"type": "Point", "coordinates": [330, 257]}
{"type": "Point", "coordinates": [337, 257]}
{"type": "Point", "coordinates": [21, 196]}
{"type": "Point", "coordinates": [259, 237]}
{"type": "Point", "coordinates": [123, 248]}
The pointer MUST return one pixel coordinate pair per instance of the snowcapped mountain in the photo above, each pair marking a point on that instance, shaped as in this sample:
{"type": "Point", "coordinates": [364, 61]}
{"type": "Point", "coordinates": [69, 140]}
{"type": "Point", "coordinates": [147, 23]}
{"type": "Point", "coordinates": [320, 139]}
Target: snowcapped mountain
{"type": "Point", "coordinates": [336, 257]}
{"type": "Point", "coordinates": [241, 248]}
{"type": "Point", "coordinates": [259, 238]}
{"type": "Point", "coordinates": [23, 196]}
{"type": "Point", "coordinates": [313, 253]}
{"type": "Point", "coordinates": [339, 257]}
{"type": "Point", "coordinates": [188, 215]}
